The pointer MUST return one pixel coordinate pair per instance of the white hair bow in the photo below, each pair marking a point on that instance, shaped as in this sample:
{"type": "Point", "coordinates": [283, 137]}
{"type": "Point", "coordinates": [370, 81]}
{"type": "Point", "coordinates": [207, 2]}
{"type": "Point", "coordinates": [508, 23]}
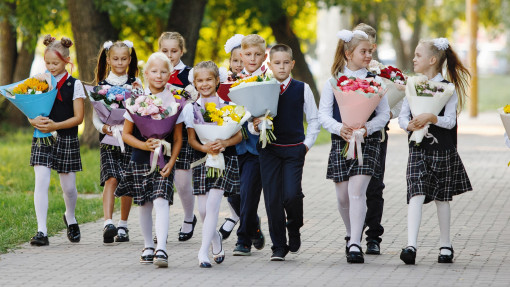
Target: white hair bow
{"type": "Point", "coordinates": [441, 43]}
{"type": "Point", "coordinates": [107, 45]}
{"type": "Point", "coordinates": [128, 43]}
{"type": "Point", "coordinates": [233, 42]}
{"type": "Point", "coordinates": [347, 35]}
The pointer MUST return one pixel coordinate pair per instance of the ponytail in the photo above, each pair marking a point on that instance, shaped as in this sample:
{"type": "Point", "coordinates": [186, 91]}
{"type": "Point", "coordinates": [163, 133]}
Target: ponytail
{"type": "Point", "coordinates": [458, 74]}
{"type": "Point", "coordinates": [340, 59]}
{"type": "Point", "coordinates": [133, 65]}
{"type": "Point", "coordinates": [101, 66]}
{"type": "Point", "coordinates": [347, 43]}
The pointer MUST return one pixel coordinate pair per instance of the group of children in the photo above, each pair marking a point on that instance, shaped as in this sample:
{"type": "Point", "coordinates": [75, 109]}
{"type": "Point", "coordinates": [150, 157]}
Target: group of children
{"type": "Point", "coordinates": [435, 171]}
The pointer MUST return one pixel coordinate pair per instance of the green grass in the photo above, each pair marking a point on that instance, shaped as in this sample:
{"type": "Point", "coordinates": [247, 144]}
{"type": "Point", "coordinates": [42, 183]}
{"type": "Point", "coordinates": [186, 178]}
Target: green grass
{"type": "Point", "coordinates": [492, 92]}
{"type": "Point", "coordinates": [18, 223]}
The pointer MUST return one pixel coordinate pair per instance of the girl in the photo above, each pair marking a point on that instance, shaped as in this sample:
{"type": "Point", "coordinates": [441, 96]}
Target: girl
{"type": "Point", "coordinates": [211, 190]}
{"type": "Point", "coordinates": [153, 190]}
{"type": "Point", "coordinates": [172, 45]}
{"type": "Point", "coordinates": [63, 153]}
{"type": "Point", "coordinates": [435, 171]}
{"type": "Point", "coordinates": [353, 54]}
{"type": "Point", "coordinates": [120, 61]}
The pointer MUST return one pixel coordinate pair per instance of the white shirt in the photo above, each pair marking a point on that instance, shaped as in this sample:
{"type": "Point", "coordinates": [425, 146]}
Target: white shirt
{"type": "Point", "coordinates": [447, 121]}
{"type": "Point", "coordinates": [382, 111]}
{"type": "Point", "coordinates": [258, 71]}
{"type": "Point", "coordinates": [188, 114]}
{"type": "Point", "coordinates": [180, 67]}
{"type": "Point", "coordinates": [79, 91]}
{"type": "Point", "coordinates": [310, 110]}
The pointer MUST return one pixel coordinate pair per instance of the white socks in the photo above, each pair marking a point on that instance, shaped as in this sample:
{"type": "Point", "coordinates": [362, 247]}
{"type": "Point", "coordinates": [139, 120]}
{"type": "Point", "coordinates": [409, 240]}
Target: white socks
{"type": "Point", "coordinates": [42, 183]}
{"type": "Point", "coordinates": [122, 223]}
{"type": "Point", "coordinates": [209, 208]}
{"type": "Point", "coordinates": [183, 184]}
{"type": "Point", "coordinates": [68, 184]}
{"type": "Point", "coordinates": [108, 221]}
{"type": "Point", "coordinates": [162, 219]}
{"type": "Point", "coordinates": [229, 225]}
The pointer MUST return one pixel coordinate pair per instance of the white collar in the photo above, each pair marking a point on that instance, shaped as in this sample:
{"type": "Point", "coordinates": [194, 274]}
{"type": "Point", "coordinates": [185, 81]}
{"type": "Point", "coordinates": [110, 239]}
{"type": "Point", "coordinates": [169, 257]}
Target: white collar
{"type": "Point", "coordinates": [115, 80]}
{"type": "Point", "coordinates": [180, 66]}
{"type": "Point", "coordinates": [437, 78]}
{"type": "Point", "coordinates": [260, 71]}
{"type": "Point", "coordinates": [200, 102]}
{"type": "Point", "coordinates": [59, 77]}
{"type": "Point", "coordinates": [361, 73]}
{"type": "Point", "coordinates": [285, 82]}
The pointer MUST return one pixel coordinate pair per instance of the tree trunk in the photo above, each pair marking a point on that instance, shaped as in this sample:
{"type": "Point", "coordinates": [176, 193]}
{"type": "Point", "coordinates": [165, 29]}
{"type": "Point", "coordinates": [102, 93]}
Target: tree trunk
{"type": "Point", "coordinates": [8, 50]}
{"type": "Point", "coordinates": [417, 26]}
{"type": "Point", "coordinates": [91, 28]}
{"type": "Point", "coordinates": [284, 34]}
{"type": "Point", "coordinates": [398, 43]}
{"type": "Point", "coordinates": [186, 18]}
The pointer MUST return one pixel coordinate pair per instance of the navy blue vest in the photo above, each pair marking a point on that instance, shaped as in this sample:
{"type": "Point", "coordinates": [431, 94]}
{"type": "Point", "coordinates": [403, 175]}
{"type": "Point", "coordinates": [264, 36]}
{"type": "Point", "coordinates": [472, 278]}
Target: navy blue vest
{"type": "Point", "coordinates": [183, 77]}
{"type": "Point", "coordinates": [447, 138]}
{"type": "Point", "coordinates": [63, 110]}
{"type": "Point", "coordinates": [288, 123]}
{"type": "Point", "coordinates": [143, 156]}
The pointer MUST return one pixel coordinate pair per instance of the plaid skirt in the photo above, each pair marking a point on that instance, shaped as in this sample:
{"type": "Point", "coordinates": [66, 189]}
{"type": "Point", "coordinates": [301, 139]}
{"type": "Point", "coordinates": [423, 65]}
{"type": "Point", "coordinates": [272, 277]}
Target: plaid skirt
{"type": "Point", "coordinates": [439, 175]}
{"type": "Point", "coordinates": [230, 182]}
{"type": "Point", "coordinates": [340, 169]}
{"type": "Point", "coordinates": [62, 156]}
{"type": "Point", "coordinates": [113, 161]}
{"type": "Point", "coordinates": [143, 188]}
{"type": "Point", "coordinates": [185, 155]}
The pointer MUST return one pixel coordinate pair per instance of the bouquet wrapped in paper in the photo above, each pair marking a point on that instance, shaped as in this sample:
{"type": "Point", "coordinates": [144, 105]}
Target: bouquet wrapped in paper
{"type": "Point", "coordinates": [259, 95]}
{"type": "Point", "coordinates": [217, 122]}
{"type": "Point", "coordinates": [155, 117]}
{"type": "Point", "coordinates": [357, 99]}
{"type": "Point", "coordinates": [426, 96]}
{"type": "Point", "coordinates": [224, 88]}
{"type": "Point", "coordinates": [504, 113]}
{"type": "Point", "coordinates": [108, 103]}
{"type": "Point", "coordinates": [33, 98]}
{"type": "Point", "coordinates": [394, 79]}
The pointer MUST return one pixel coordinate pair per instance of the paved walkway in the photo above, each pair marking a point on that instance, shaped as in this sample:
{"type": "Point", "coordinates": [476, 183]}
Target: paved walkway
{"type": "Point", "coordinates": [480, 233]}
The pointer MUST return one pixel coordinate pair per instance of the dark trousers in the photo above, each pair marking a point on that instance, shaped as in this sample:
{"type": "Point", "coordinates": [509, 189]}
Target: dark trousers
{"type": "Point", "coordinates": [375, 200]}
{"type": "Point", "coordinates": [247, 202]}
{"type": "Point", "coordinates": [282, 171]}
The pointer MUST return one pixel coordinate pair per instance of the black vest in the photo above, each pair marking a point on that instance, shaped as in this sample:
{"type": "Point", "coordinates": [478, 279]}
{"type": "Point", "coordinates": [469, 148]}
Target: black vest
{"type": "Point", "coordinates": [183, 77]}
{"type": "Point", "coordinates": [64, 110]}
{"type": "Point", "coordinates": [288, 123]}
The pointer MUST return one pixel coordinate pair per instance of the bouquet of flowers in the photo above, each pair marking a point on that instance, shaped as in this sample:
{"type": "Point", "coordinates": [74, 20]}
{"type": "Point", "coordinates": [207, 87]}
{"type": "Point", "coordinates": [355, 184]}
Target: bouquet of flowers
{"type": "Point", "coordinates": [394, 79]}
{"type": "Point", "coordinates": [33, 98]}
{"type": "Point", "coordinates": [259, 95]}
{"type": "Point", "coordinates": [155, 117]}
{"type": "Point", "coordinates": [217, 122]}
{"type": "Point", "coordinates": [357, 100]}
{"type": "Point", "coordinates": [224, 87]}
{"type": "Point", "coordinates": [426, 96]}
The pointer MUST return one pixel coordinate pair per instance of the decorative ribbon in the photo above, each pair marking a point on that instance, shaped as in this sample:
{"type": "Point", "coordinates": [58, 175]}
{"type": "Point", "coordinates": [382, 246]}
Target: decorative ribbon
{"type": "Point", "coordinates": [264, 125]}
{"type": "Point", "coordinates": [383, 137]}
{"type": "Point", "coordinates": [118, 136]}
{"type": "Point", "coordinates": [167, 150]}
{"type": "Point", "coordinates": [355, 141]}
{"type": "Point", "coordinates": [211, 161]}
{"type": "Point", "coordinates": [429, 135]}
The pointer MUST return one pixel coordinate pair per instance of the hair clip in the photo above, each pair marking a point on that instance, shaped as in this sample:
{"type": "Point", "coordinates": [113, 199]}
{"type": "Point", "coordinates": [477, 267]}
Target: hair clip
{"type": "Point", "coordinates": [128, 43]}
{"type": "Point", "coordinates": [441, 43]}
{"type": "Point", "coordinates": [107, 45]}
{"type": "Point", "coordinates": [233, 42]}
{"type": "Point", "coordinates": [347, 35]}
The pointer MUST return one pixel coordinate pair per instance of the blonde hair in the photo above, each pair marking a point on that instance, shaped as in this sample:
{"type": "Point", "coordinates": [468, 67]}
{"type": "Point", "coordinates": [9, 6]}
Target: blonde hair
{"type": "Point", "coordinates": [207, 65]}
{"type": "Point", "coordinates": [157, 56]}
{"type": "Point", "coordinates": [341, 49]}
{"type": "Point", "coordinates": [372, 34]}
{"type": "Point", "coordinates": [60, 48]}
{"type": "Point", "coordinates": [253, 40]}
{"type": "Point", "coordinates": [173, 36]}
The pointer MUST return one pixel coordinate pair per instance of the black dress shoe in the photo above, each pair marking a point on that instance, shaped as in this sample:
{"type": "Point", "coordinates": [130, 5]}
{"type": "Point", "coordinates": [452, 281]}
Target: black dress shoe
{"type": "Point", "coordinates": [279, 254]}
{"type": "Point", "coordinates": [109, 232]}
{"type": "Point", "coordinates": [347, 239]}
{"type": "Point", "coordinates": [186, 236]}
{"type": "Point", "coordinates": [73, 231]}
{"type": "Point", "coordinates": [122, 236]}
{"type": "Point", "coordinates": [205, 265]}
{"type": "Point", "coordinates": [225, 234]}
{"type": "Point", "coordinates": [373, 247]}
{"type": "Point", "coordinates": [147, 259]}
{"type": "Point", "coordinates": [39, 240]}
{"type": "Point", "coordinates": [445, 258]}
{"type": "Point", "coordinates": [294, 242]}
{"type": "Point", "coordinates": [408, 255]}
{"type": "Point", "coordinates": [355, 256]}
{"type": "Point", "coordinates": [160, 259]}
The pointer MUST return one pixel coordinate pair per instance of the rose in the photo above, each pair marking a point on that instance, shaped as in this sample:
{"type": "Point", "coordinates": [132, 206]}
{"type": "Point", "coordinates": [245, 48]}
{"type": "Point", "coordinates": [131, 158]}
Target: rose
{"type": "Point", "coordinates": [156, 117]}
{"type": "Point", "coordinates": [119, 97]}
{"type": "Point", "coordinates": [140, 99]}
{"type": "Point", "coordinates": [151, 110]}
{"type": "Point", "coordinates": [102, 92]}
{"type": "Point", "coordinates": [114, 106]}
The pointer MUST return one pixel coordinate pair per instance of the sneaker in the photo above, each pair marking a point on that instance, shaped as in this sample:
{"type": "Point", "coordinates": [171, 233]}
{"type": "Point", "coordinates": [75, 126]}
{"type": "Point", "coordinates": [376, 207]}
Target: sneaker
{"type": "Point", "coordinates": [73, 231]}
{"type": "Point", "coordinates": [242, 250]}
{"type": "Point", "coordinates": [259, 241]}
{"type": "Point", "coordinates": [294, 243]}
{"type": "Point", "coordinates": [279, 254]}
{"type": "Point", "coordinates": [122, 236]}
{"type": "Point", "coordinates": [109, 232]}
{"type": "Point", "coordinates": [39, 239]}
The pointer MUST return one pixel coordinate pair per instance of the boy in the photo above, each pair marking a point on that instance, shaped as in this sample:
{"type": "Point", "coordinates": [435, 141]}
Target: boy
{"type": "Point", "coordinates": [282, 161]}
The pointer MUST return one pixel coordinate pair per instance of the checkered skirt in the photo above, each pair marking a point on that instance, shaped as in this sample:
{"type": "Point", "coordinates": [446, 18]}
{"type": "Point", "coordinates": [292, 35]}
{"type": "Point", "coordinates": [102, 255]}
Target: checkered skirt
{"type": "Point", "coordinates": [439, 175]}
{"type": "Point", "coordinates": [185, 155]}
{"type": "Point", "coordinates": [340, 169]}
{"type": "Point", "coordinates": [113, 161]}
{"type": "Point", "coordinates": [63, 155]}
{"type": "Point", "coordinates": [41, 153]}
{"type": "Point", "coordinates": [230, 182]}
{"type": "Point", "coordinates": [143, 188]}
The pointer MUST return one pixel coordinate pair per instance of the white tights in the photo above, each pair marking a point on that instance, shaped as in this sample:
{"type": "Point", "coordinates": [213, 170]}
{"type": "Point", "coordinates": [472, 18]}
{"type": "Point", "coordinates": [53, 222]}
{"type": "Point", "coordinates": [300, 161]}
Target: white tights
{"type": "Point", "coordinates": [162, 220]}
{"type": "Point", "coordinates": [209, 208]}
{"type": "Point", "coordinates": [182, 180]}
{"type": "Point", "coordinates": [352, 204]}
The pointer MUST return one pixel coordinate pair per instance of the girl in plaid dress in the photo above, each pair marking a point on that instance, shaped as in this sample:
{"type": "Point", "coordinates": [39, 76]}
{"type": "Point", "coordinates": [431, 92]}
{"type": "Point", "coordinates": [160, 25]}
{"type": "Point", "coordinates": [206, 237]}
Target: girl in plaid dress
{"type": "Point", "coordinates": [154, 190]}
{"type": "Point", "coordinates": [353, 54]}
{"type": "Point", "coordinates": [63, 152]}
{"type": "Point", "coordinates": [120, 61]}
{"type": "Point", "coordinates": [434, 170]}
{"type": "Point", "coordinates": [211, 190]}
{"type": "Point", "coordinates": [173, 46]}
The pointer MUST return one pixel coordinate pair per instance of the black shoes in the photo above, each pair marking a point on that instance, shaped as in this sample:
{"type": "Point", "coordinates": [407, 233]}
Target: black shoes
{"type": "Point", "coordinates": [373, 247]}
{"type": "Point", "coordinates": [294, 242]}
{"type": "Point", "coordinates": [279, 254]}
{"type": "Point", "coordinates": [109, 232]}
{"type": "Point", "coordinates": [355, 256]}
{"type": "Point", "coordinates": [347, 239]}
{"type": "Point", "coordinates": [205, 265]}
{"type": "Point", "coordinates": [408, 255]}
{"type": "Point", "coordinates": [160, 259]}
{"type": "Point", "coordinates": [225, 234]}
{"type": "Point", "coordinates": [242, 250]}
{"type": "Point", "coordinates": [147, 259]}
{"type": "Point", "coordinates": [122, 236]}
{"type": "Point", "coordinates": [73, 231]}
{"type": "Point", "coordinates": [186, 236]}
{"type": "Point", "coordinates": [445, 258]}
{"type": "Point", "coordinates": [220, 256]}
{"type": "Point", "coordinates": [39, 240]}
{"type": "Point", "coordinates": [259, 241]}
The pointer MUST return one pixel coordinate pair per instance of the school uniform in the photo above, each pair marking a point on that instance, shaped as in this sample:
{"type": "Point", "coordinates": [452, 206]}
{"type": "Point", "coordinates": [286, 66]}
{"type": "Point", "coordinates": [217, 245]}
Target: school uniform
{"type": "Point", "coordinates": [63, 152]}
{"type": "Point", "coordinates": [435, 169]}
{"type": "Point", "coordinates": [281, 162]}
